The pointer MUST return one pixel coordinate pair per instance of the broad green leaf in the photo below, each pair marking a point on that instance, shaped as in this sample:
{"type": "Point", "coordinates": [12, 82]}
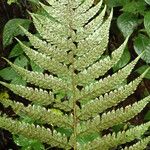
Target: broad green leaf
{"type": "Point", "coordinates": [147, 1]}
{"type": "Point", "coordinates": [147, 22]}
{"type": "Point", "coordinates": [147, 116]}
{"type": "Point", "coordinates": [8, 73]}
{"type": "Point", "coordinates": [21, 61]}
{"type": "Point", "coordinates": [28, 144]}
{"type": "Point", "coordinates": [127, 22]}
{"type": "Point", "coordinates": [18, 80]}
{"type": "Point", "coordinates": [135, 7]}
{"type": "Point", "coordinates": [35, 67]}
{"type": "Point", "coordinates": [12, 29]}
{"type": "Point", "coordinates": [17, 50]}
{"type": "Point", "coordinates": [142, 69]}
{"type": "Point", "coordinates": [115, 3]}
{"type": "Point", "coordinates": [142, 43]}
{"type": "Point", "coordinates": [125, 58]}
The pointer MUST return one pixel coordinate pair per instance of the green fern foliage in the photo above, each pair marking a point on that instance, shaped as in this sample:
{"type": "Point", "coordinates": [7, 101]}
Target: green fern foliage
{"type": "Point", "coordinates": [70, 46]}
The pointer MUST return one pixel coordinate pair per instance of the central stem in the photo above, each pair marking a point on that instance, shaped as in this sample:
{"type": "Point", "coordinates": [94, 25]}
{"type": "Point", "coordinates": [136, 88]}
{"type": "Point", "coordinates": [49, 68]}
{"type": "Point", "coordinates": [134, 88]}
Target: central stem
{"type": "Point", "coordinates": [73, 81]}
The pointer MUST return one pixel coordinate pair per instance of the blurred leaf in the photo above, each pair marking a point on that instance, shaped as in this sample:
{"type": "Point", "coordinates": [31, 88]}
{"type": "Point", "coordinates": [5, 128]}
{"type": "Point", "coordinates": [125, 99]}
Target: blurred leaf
{"type": "Point", "coordinates": [67, 132]}
{"type": "Point", "coordinates": [142, 43]}
{"type": "Point", "coordinates": [147, 1]}
{"type": "Point", "coordinates": [115, 3]}
{"type": "Point", "coordinates": [142, 69]}
{"type": "Point", "coordinates": [35, 67]}
{"type": "Point", "coordinates": [8, 73]}
{"type": "Point", "coordinates": [34, 1]}
{"type": "Point", "coordinates": [118, 127]}
{"type": "Point", "coordinates": [17, 50]}
{"type": "Point", "coordinates": [12, 29]}
{"type": "Point", "coordinates": [86, 139]}
{"type": "Point", "coordinates": [28, 144]}
{"type": "Point", "coordinates": [18, 80]}
{"type": "Point", "coordinates": [127, 22]}
{"type": "Point", "coordinates": [21, 61]}
{"type": "Point", "coordinates": [147, 22]}
{"type": "Point", "coordinates": [135, 7]}
{"type": "Point", "coordinates": [125, 58]}
{"type": "Point", "coordinates": [147, 116]}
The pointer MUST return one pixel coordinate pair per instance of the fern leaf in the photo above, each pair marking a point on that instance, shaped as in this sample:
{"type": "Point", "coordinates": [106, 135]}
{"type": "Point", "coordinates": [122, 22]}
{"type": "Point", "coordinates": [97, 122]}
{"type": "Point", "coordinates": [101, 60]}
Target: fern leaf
{"type": "Point", "coordinates": [93, 44]}
{"type": "Point", "coordinates": [113, 140]}
{"type": "Point", "coordinates": [37, 96]}
{"type": "Point", "coordinates": [34, 132]}
{"type": "Point", "coordinates": [42, 80]}
{"type": "Point", "coordinates": [39, 113]}
{"type": "Point", "coordinates": [113, 117]}
{"type": "Point", "coordinates": [81, 17]}
{"type": "Point", "coordinates": [46, 27]}
{"type": "Point", "coordinates": [56, 9]}
{"type": "Point", "coordinates": [102, 103]}
{"type": "Point", "coordinates": [83, 7]}
{"type": "Point", "coordinates": [92, 26]}
{"type": "Point", "coordinates": [141, 145]}
{"type": "Point", "coordinates": [45, 62]}
{"type": "Point", "coordinates": [101, 67]}
{"type": "Point", "coordinates": [59, 55]}
{"type": "Point", "coordinates": [100, 87]}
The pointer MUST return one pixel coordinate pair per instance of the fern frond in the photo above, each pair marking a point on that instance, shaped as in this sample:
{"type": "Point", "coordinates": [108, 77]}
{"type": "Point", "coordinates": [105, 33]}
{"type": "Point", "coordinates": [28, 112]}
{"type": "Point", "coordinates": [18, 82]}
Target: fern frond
{"type": "Point", "coordinates": [59, 55]}
{"type": "Point", "coordinates": [102, 103]}
{"type": "Point", "coordinates": [102, 86]}
{"type": "Point", "coordinates": [45, 62]}
{"type": "Point", "coordinates": [84, 6]}
{"type": "Point", "coordinates": [42, 80]}
{"type": "Point", "coordinates": [113, 140]}
{"type": "Point", "coordinates": [93, 44]}
{"type": "Point", "coordinates": [34, 132]}
{"type": "Point", "coordinates": [82, 16]}
{"type": "Point", "coordinates": [37, 96]}
{"type": "Point", "coordinates": [114, 117]}
{"type": "Point", "coordinates": [47, 33]}
{"type": "Point", "coordinates": [92, 26]}
{"type": "Point", "coordinates": [101, 67]}
{"type": "Point", "coordinates": [56, 9]}
{"type": "Point", "coordinates": [39, 113]}
{"type": "Point", "coordinates": [141, 145]}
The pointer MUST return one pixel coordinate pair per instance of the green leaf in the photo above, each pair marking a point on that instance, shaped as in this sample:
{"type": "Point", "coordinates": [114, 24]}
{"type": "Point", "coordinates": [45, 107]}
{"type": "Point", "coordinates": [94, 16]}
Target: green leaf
{"type": "Point", "coordinates": [18, 80]}
{"type": "Point", "coordinates": [12, 29]}
{"type": "Point", "coordinates": [21, 61]}
{"type": "Point", "coordinates": [142, 43]}
{"type": "Point", "coordinates": [147, 116]}
{"type": "Point", "coordinates": [147, 1]}
{"type": "Point", "coordinates": [147, 22]}
{"type": "Point", "coordinates": [127, 22]}
{"type": "Point", "coordinates": [135, 7]}
{"type": "Point", "coordinates": [142, 69]}
{"type": "Point", "coordinates": [35, 67]}
{"type": "Point", "coordinates": [28, 144]}
{"type": "Point", "coordinates": [17, 50]}
{"type": "Point", "coordinates": [34, 1]}
{"type": "Point", "coordinates": [115, 3]}
{"type": "Point", "coordinates": [125, 58]}
{"type": "Point", "coordinates": [8, 73]}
